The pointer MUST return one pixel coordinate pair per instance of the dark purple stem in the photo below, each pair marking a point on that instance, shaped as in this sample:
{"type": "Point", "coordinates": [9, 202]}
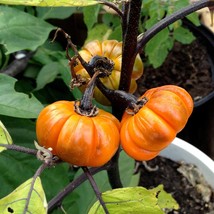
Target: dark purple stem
{"type": "Point", "coordinates": [131, 22]}
{"type": "Point", "coordinates": [37, 174]}
{"type": "Point", "coordinates": [95, 188]}
{"type": "Point", "coordinates": [19, 149]}
{"type": "Point", "coordinates": [57, 200]}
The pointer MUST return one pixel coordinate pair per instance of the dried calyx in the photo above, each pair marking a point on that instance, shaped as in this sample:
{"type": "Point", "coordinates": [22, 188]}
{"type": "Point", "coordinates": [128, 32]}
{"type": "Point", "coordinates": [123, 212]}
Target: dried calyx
{"type": "Point", "coordinates": [100, 67]}
{"type": "Point", "coordinates": [98, 63]}
{"type": "Point", "coordinates": [132, 103]}
{"type": "Point", "coordinates": [101, 64]}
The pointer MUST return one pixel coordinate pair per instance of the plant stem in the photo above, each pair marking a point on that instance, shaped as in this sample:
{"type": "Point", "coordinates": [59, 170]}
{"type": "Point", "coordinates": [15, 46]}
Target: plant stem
{"type": "Point", "coordinates": [131, 22]}
{"type": "Point", "coordinates": [37, 174]}
{"type": "Point", "coordinates": [57, 200]}
{"type": "Point", "coordinates": [19, 149]}
{"type": "Point", "coordinates": [86, 101]}
{"type": "Point", "coordinates": [95, 188]}
{"type": "Point", "coordinates": [125, 10]}
{"type": "Point", "coordinates": [112, 6]}
{"type": "Point", "coordinates": [113, 172]}
{"type": "Point", "coordinates": [171, 19]}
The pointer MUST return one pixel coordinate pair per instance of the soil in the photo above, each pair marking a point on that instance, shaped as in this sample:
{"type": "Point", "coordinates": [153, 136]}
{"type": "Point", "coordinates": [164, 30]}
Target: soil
{"type": "Point", "coordinates": [184, 182]}
{"type": "Point", "coordinates": [187, 66]}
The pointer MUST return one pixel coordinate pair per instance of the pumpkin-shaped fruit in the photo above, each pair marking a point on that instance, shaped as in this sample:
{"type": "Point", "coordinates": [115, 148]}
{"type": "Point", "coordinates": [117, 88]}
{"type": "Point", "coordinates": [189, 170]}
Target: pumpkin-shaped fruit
{"type": "Point", "coordinates": [111, 49]}
{"type": "Point", "coordinates": [77, 139]}
{"type": "Point", "coordinates": [147, 132]}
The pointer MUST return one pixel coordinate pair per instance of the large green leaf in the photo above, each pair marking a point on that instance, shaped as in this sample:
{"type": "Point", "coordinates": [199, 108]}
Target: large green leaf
{"type": "Point", "coordinates": [136, 200]}
{"type": "Point", "coordinates": [50, 3]}
{"type": "Point", "coordinates": [88, 18]}
{"type": "Point", "coordinates": [5, 137]}
{"type": "Point", "coordinates": [51, 71]}
{"type": "Point", "coordinates": [47, 74]}
{"type": "Point", "coordinates": [14, 103]}
{"type": "Point", "coordinates": [16, 201]}
{"type": "Point", "coordinates": [54, 12]}
{"type": "Point", "coordinates": [20, 30]}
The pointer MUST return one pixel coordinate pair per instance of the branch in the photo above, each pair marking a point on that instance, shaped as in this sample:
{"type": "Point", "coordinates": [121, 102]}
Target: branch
{"type": "Point", "coordinates": [171, 19]}
{"type": "Point", "coordinates": [129, 42]}
{"type": "Point", "coordinates": [19, 149]}
{"type": "Point", "coordinates": [37, 174]}
{"type": "Point", "coordinates": [17, 65]}
{"type": "Point", "coordinates": [113, 172]}
{"type": "Point", "coordinates": [57, 200]}
{"type": "Point", "coordinates": [112, 6]}
{"type": "Point", "coordinates": [95, 188]}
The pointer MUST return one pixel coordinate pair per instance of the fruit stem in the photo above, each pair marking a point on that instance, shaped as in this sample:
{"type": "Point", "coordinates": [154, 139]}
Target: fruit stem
{"type": "Point", "coordinates": [85, 106]}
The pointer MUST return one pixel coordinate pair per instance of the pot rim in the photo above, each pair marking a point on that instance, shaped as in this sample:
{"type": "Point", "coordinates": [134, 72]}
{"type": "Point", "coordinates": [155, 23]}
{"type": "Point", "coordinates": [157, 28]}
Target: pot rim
{"type": "Point", "coordinates": [180, 150]}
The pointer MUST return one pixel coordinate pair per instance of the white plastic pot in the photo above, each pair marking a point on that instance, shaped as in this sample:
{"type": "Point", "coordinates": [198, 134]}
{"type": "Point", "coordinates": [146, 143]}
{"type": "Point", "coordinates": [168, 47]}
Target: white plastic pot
{"type": "Point", "coordinates": [180, 150]}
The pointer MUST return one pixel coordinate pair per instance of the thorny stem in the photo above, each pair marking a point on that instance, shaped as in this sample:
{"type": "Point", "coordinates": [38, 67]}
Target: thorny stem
{"type": "Point", "coordinates": [95, 188]}
{"type": "Point", "coordinates": [171, 19]}
{"type": "Point", "coordinates": [57, 200]}
{"type": "Point", "coordinates": [19, 149]}
{"type": "Point", "coordinates": [37, 174]}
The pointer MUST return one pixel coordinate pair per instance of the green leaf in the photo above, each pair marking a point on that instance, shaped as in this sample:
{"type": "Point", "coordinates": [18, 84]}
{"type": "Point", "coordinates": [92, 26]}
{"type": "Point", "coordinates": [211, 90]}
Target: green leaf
{"type": "Point", "coordinates": [47, 74]}
{"type": "Point", "coordinates": [194, 18]}
{"type": "Point", "coordinates": [14, 103]}
{"type": "Point", "coordinates": [135, 200]}
{"type": "Point", "coordinates": [3, 58]}
{"type": "Point", "coordinates": [51, 71]}
{"type": "Point", "coordinates": [54, 12]}
{"type": "Point", "coordinates": [20, 30]}
{"type": "Point", "coordinates": [158, 47]}
{"type": "Point", "coordinates": [90, 15]}
{"type": "Point", "coordinates": [99, 32]}
{"type": "Point", "coordinates": [15, 202]}
{"type": "Point", "coordinates": [50, 3]}
{"type": "Point", "coordinates": [183, 35]}
{"type": "Point", "coordinates": [116, 34]}
{"type": "Point", "coordinates": [126, 166]}
{"type": "Point", "coordinates": [5, 137]}
{"type": "Point", "coordinates": [165, 200]}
